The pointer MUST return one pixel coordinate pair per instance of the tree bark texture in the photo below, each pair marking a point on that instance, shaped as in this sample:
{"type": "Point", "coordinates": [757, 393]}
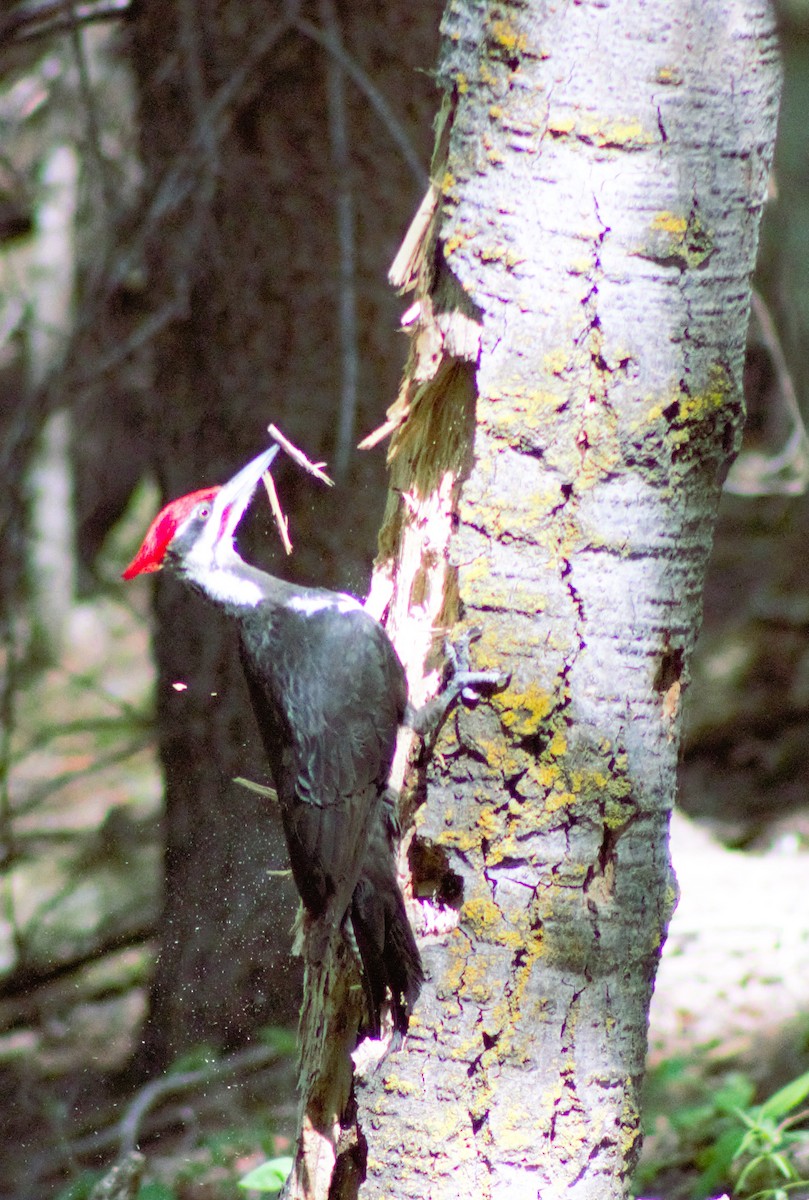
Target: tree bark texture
{"type": "Point", "coordinates": [239, 240]}
{"type": "Point", "coordinates": [571, 405]}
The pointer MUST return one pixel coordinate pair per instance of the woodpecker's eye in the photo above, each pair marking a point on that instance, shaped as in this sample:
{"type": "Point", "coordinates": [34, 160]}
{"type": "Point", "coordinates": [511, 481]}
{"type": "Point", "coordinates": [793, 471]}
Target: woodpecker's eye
{"type": "Point", "coordinates": [204, 511]}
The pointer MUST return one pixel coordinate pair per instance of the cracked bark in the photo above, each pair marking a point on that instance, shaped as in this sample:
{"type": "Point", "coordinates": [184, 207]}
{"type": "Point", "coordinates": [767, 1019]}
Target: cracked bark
{"type": "Point", "coordinates": [572, 402]}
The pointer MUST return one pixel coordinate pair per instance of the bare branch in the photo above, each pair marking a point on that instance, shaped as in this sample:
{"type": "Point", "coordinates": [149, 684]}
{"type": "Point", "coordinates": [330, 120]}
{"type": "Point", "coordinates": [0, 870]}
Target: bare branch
{"type": "Point", "coordinates": [93, 133]}
{"type": "Point", "coordinates": [22, 992]}
{"type": "Point", "coordinates": [204, 128]}
{"type": "Point", "coordinates": [123, 1135]}
{"type": "Point", "coordinates": [27, 23]}
{"type": "Point", "coordinates": [372, 93]}
{"type": "Point", "coordinates": [189, 175]}
{"type": "Point", "coordinates": [787, 472]}
{"type": "Point", "coordinates": [128, 1130]}
{"type": "Point", "coordinates": [145, 332]}
{"type": "Point", "coordinates": [344, 203]}
{"type": "Point", "coordinates": [182, 177]}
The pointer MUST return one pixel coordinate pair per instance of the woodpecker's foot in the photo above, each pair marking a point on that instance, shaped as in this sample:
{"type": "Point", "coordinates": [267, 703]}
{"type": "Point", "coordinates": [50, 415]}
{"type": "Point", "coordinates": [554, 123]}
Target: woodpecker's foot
{"type": "Point", "coordinates": [463, 679]}
{"type": "Point", "coordinates": [462, 682]}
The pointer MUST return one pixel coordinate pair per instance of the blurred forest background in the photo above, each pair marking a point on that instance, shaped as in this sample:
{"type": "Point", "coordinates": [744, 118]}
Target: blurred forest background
{"type": "Point", "coordinates": [198, 207]}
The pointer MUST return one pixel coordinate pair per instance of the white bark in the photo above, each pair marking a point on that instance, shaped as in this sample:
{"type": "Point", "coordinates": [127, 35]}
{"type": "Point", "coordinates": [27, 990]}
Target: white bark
{"type": "Point", "coordinates": [599, 177]}
{"type": "Point", "coordinates": [51, 280]}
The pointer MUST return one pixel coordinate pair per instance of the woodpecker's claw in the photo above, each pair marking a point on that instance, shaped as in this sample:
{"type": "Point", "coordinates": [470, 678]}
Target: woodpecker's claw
{"type": "Point", "coordinates": [462, 682]}
{"type": "Point", "coordinates": [463, 678]}
{"type": "Point", "coordinates": [458, 652]}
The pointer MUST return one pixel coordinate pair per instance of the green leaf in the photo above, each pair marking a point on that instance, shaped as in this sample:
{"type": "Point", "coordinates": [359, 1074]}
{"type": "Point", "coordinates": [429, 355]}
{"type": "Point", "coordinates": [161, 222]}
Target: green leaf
{"type": "Point", "coordinates": [669, 1070]}
{"type": "Point", "coordinates": [81, 1187]}
{"type": "Point", "coordinates": [285, 1041]}
{"type": "Point", "coordinates": [196, 1059]}
{"type": "Point", "coordinates": [270, 1176]}
{"type": "Point", "coordinates": [749, 1170]}
{"type": "Point", "coordinates": [717, 1161]}
{"type": "Point", "coordinates": [787, 1098]}
{"type": "Point", "coordinates": [735, 1093]}
{"type": "Point", "coordinates": [786, 1168]}
{"type": "Point", "coordinates": [156, 1191]}
{"type": "Point", "coordinates": [751, 1121]}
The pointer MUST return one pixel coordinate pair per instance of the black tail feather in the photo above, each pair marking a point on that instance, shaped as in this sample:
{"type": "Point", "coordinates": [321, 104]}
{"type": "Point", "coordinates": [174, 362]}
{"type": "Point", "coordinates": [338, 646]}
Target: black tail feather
{"type": "Point", "coordinates": [391, 962]}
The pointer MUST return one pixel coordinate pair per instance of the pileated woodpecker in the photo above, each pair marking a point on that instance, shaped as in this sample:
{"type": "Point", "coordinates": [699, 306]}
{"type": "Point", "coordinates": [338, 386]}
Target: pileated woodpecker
{"type": "Point", "coordinates": [329, 694]}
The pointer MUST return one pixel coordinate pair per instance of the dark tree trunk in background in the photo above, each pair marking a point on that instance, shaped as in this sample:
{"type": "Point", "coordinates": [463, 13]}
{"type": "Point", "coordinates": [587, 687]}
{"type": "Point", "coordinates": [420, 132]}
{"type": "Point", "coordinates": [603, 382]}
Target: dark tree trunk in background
{"type": "Point", "coordinates": [239, 246]}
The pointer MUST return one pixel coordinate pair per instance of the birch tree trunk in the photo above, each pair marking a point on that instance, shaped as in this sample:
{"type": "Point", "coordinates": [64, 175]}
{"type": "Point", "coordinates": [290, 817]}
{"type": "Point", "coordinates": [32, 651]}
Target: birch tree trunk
{"type": "Point", "coordinates": [571, 405]}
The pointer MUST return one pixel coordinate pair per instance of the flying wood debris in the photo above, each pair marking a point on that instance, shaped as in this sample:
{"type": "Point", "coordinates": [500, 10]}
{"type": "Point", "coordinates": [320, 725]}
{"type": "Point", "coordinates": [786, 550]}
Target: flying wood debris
{"type": "Point", "coordinates": [269, 793]}
{"type": "Point", "coordinates": [300, 458]}
{"type": "Point", "coordinates": [383, 431]}
{"type": "Point", "coordinates": [275, 504]}
{"type": "Point", "coordinates": [315, 469]}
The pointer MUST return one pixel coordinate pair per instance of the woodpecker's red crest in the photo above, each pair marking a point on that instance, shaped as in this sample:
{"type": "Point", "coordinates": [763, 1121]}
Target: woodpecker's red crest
{"type": "Point", "coordinates": [162, 530]}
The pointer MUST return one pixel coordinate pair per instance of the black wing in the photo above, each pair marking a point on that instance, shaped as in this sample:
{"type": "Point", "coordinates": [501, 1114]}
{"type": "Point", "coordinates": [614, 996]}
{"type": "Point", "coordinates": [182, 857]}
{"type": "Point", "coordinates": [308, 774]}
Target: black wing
{"type": "Point", "coordinates": [329, 694]}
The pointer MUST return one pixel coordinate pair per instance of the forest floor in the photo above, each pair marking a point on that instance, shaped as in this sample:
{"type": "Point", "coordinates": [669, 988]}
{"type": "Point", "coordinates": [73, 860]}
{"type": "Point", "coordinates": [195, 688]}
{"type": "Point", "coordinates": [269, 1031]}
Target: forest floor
{"type": "Point", "coordinates": [79, 899]}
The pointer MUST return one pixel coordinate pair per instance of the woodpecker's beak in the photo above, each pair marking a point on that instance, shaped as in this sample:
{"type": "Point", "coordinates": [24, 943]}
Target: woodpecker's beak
{"type": "Point", "coordinates": [234, 496]}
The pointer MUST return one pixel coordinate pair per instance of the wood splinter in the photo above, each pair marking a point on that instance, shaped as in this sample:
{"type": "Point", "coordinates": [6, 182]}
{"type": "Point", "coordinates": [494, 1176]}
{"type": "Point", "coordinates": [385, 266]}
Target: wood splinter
{"type": "Point", "coordinates": [300, 458]}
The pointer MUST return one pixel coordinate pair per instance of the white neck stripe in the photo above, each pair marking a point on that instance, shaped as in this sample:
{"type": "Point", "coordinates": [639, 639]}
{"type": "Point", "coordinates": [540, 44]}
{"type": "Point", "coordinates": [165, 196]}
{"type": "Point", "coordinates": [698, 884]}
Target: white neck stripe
{"type": "Point", "coordinates": [309, 605]}
{"type": "Point", "coordinates": [226, 587]}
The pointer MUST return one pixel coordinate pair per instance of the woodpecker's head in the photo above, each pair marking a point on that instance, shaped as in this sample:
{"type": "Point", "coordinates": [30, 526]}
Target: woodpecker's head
{"type": "Point", "coordinates": [193, 535]}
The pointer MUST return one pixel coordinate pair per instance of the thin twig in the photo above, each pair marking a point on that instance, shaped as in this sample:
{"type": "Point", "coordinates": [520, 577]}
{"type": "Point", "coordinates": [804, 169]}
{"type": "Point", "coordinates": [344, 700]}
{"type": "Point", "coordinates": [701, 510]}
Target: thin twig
{"type": "Point", "coordinates": [179, 184]}
{"type": "Point", "coordinates": [39, 794]}
{"type": "Point", "coordinates": [146, 331]}
{"type": "Point", "coordinates": [29, 24]}
{"type": "Point", "coordinates": [181, 179]}
{"type": "Point", "coordinates": [275, 504]}
{"type": "Point", "coordinates": [377, 100]}
{"type": "Point", "coordinates": [117, 1135]}
{"type": "Point", "coordinates": [205, 132]}
{"type": "Point", "coordinates": [93, 135]}
{"type": "Point", "coordinates": [261, 789]}
{"type": "Point", "coordinates": [48, 733]}
{"type": "Point", "coordinates": [21, 992]}
{"type": "Point", "coordinates": [212, 123]}
{"type": "Point", "coordinates": [756, 474]}
{"type": "Point", "coordinates": [347, 281]}
{"type": "Point", "coordinates": [300, 458]}
{"type": "Point", "coordinates": [128, 1129]}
